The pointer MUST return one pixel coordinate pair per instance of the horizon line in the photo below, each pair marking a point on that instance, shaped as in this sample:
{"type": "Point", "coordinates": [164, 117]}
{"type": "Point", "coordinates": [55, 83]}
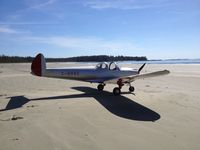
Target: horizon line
{"type": "Point", "coordinates": [156, 59]}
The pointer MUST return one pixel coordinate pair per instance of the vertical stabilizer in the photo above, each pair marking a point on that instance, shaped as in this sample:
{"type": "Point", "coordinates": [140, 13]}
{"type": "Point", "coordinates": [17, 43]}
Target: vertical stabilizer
{"type": "Point", "coordinates": [38, 65]}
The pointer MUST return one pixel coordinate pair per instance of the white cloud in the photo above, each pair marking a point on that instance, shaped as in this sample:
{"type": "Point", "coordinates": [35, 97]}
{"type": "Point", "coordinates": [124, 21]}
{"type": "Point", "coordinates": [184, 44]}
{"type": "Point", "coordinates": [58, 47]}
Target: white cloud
{"type": "Point", "coordinates": [77, 43]}
{"type": "Point", "coordinates": [17, 18]}
{"type": "Point", "coordinates": [7, 30]}
{"type": "Point", "coordinates": [124, 4]}
{"type": "Point", "coordinates": [29, 23]}
{"type": "Point", "coordinates": [37, 4]}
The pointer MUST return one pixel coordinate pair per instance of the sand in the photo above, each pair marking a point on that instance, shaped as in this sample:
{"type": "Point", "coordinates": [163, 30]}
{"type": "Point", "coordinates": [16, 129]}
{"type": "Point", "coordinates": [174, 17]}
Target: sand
{"type": "Point", "coordinates": [54, 114]}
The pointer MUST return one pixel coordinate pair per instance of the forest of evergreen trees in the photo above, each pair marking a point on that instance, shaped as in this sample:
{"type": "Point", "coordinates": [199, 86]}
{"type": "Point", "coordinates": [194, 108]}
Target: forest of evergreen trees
{"type": "Point", "coordinates": [95, 58]}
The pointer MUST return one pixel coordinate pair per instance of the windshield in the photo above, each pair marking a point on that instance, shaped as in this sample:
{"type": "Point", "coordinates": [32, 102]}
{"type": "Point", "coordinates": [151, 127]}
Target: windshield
{"type": "Point", "coordinates": [113, 66]}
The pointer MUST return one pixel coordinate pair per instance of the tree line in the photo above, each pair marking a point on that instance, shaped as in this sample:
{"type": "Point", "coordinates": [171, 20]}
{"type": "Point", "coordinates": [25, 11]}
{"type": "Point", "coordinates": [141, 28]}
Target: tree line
{"type": "Point", "coordinates": [94, 58]}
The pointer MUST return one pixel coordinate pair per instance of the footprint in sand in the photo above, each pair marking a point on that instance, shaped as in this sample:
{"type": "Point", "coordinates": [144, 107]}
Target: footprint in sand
{"type": "Point", "coordinates": [3, 95]}
{"type": "Point", "coordinates": [16, 117]}
{"type": "Point", "coordinates": [13, 118]}
{"type": "Point", "coordinates": [15, 139]}
{"type": "Point", "coordinates": [31, 106]}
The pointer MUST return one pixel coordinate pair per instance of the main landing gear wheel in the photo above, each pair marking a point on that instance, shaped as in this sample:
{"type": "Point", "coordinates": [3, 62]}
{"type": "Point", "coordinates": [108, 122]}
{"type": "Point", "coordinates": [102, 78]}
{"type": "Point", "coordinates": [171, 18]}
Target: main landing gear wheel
{"type": "Point", "coordinates": [131, 89]}
{"type": "Point", "coordinates": [100, 87]}
{"type": "Point", "coordinates": [116, 91]}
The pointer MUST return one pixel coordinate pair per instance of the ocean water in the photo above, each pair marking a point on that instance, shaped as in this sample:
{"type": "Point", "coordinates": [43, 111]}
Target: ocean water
{"type": "Point", "coordinates": [181, 61]}
{"type": "Point", "coordinates": [172, 61]}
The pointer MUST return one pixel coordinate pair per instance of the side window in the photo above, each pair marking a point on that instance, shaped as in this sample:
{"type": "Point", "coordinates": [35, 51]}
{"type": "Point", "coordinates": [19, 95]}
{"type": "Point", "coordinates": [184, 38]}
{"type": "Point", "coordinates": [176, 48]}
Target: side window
{"type": "Point", "coordinates": [103, 66]}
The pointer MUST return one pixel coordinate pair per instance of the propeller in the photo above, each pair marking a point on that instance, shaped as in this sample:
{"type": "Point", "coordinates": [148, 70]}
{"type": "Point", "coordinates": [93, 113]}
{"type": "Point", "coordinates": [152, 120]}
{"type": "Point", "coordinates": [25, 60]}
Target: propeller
{"type": "Point", "coordinates": [141, 68]}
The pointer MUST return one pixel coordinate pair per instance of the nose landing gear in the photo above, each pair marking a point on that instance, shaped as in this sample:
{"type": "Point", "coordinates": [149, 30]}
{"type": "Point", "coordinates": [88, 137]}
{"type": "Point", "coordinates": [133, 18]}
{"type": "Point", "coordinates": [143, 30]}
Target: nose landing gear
{"type": "Point", "coordinates": [117, 90]}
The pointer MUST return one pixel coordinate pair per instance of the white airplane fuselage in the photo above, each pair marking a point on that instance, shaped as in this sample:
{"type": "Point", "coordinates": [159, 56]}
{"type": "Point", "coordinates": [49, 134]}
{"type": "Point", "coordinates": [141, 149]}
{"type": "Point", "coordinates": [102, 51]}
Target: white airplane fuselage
{"type": "Point", "coordinates": [88, 74]}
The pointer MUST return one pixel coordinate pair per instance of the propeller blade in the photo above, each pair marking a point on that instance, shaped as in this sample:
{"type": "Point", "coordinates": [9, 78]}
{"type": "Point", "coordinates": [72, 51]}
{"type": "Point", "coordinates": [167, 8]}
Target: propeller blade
{"type": "Point", "coordinates": [141, 68]}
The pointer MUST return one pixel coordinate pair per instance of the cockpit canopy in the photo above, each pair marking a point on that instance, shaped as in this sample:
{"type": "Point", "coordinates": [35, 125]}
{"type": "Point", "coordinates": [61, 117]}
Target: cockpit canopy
{"type": "Point", "coordinates": [105, 65]}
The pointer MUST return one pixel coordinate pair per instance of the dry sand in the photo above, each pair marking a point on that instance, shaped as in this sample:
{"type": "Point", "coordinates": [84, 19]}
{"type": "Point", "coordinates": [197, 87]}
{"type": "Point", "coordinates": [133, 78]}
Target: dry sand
{"type": "Point", "coordinates": [53, 114]}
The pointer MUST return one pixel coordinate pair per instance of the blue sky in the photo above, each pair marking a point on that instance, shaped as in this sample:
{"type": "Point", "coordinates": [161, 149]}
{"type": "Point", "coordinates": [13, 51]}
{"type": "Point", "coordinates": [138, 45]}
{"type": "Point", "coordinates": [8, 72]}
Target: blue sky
{"type": "Point", "coordinates": [64, 28]}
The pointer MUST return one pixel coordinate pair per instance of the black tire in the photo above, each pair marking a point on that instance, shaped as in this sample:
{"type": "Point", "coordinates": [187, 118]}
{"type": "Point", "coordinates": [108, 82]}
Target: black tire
{"type": "Point", "coordinates": [131, 89]}
{"type": "Point", "coordinates": [100, 87]}
{"type": "Point", "coordinates": [116, 91]}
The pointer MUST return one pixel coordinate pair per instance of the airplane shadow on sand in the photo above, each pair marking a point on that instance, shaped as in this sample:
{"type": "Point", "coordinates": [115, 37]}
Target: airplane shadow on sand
{"type": "Point", "coordinates": [120, 106]}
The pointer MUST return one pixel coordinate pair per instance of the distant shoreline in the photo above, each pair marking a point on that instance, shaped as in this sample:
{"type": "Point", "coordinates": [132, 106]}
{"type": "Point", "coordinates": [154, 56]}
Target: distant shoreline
{"type": "Point", "coordinates": [100, 58]}
{"type": "Point", "coordinates": [94, 58]}
{"type": "Point", "coordinates": [167, 61]}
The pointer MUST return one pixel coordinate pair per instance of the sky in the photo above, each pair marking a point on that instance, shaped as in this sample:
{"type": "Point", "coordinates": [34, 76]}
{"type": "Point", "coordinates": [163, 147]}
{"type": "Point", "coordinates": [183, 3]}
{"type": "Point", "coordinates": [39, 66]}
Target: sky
{"type": "Point", "coordinates": [157, 29]}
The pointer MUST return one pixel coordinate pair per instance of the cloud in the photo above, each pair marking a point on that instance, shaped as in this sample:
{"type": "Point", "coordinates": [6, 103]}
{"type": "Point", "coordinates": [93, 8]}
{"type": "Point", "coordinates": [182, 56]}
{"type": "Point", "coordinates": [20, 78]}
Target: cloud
{"type": "Point", "coordinates": [32, 7]}
{"type": "Point", "coordinates": [40, 5]}
{"type": "Point", "coordinates": [55, 11]}
{"type": "Point", "coordinates": [7, 30]}
{"type": "Point", "coordinates": [124, 4]}
{"type": "Point", "coordinates": [83, 43]}
{"type": "Point", "coordinates": [29, 23]}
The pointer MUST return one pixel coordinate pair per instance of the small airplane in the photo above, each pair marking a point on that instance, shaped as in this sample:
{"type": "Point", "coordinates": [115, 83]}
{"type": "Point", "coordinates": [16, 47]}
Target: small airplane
{"type": "Point", "coordinates": [103, 73]}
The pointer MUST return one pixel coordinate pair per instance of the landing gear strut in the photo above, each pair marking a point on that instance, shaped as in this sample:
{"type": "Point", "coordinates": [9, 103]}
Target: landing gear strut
{"type": "Point", "coordinates": [100, 87]}
{"type": "Point", "coordinates": [117, 90]}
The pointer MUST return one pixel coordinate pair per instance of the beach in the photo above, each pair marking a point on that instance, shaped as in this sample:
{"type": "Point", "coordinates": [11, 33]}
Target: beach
{"type": "Point", "coordinates": [56, 114]}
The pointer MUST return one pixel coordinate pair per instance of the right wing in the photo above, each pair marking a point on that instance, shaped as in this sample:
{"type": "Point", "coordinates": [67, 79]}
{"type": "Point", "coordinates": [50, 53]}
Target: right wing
{"type": "Point", "coordinates": [149, 75]}
{"type": "Point", "coordinates": [129, 79]}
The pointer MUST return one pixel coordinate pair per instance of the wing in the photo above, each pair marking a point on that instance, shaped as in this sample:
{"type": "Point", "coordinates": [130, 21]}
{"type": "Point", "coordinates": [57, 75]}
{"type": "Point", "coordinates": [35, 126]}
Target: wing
{"type": "Point", "coordinates": [102, 80]}
{"type": "Point", "coordinates": [128, 79]}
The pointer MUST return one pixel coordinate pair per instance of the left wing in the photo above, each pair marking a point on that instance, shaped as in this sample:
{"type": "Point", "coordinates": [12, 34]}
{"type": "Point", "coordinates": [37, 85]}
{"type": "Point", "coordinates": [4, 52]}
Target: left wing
{"type": "Point", "coordinates": [129, 79]}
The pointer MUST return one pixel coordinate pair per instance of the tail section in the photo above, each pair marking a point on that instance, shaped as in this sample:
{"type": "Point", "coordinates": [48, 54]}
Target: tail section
{"type": "Point", "coordinates": [38, 65]}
